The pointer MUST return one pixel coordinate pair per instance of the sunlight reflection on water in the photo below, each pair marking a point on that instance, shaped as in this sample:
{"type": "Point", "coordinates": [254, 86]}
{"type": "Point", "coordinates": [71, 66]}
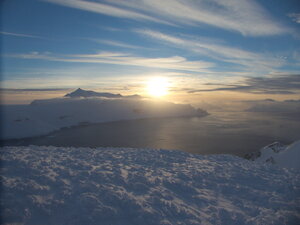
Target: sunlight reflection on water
{"type": "Point", "coordinates": [231, 133]}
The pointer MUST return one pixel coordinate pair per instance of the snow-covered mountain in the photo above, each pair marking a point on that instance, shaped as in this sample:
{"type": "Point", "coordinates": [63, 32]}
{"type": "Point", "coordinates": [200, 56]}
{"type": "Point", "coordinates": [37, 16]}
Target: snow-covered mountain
{"type": "Point", "coordinates": [80, 93]}
{"type": "Point", "coordinates": [52, 185]}
{"type": "Point", "coordinates": [287, 156]}
{"type": "Point", "coordinates": [85, 93]}
{"type": "Point", "coordinates": [44, 116]}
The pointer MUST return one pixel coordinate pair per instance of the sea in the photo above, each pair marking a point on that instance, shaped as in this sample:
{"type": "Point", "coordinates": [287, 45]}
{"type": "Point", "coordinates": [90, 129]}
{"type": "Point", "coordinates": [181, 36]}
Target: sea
{"type": "Point", "coordinates": [236, 133]}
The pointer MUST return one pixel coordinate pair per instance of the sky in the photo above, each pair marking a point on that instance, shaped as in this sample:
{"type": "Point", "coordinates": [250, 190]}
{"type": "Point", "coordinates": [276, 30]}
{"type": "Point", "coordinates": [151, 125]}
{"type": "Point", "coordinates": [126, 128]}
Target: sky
{"type": "Point", "coordinates": [206, 49]}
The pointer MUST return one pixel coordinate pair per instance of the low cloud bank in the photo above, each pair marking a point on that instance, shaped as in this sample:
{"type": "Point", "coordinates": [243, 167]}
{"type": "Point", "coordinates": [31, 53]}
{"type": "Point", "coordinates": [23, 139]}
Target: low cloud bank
{"type": "Point", "coordinates": [290, 108]}
{"type": "Point", "coordinates": [44, 116]}
{"type": "Point", "coordinates": [283, 85]}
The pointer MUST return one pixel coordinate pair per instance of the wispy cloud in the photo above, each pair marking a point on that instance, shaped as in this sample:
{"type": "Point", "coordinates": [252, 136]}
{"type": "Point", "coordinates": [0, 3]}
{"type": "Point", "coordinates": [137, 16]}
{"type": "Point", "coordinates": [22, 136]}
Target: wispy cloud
{"type": "Point", "coordinates": [288, 84]}
{"type": "Point", "coordinates": [218, 51]}
{"type": "Point", "coordinates": [243, 16]}
{"type": "Point", "coordinates": [169, 63]}
{"type": "Point", "coordinates": [114, 43]}
{"type": "Point", "coordinates": [19, 35]}
{"type": "Point", "coordinates": [246, 17]}
{"type": "Point", "coordinates": [295, 17]}
{"type": "Point", "coordinates": [107, 9]}
{"type": "Point", "coordinates": [31, 89]}
{"type": "Point", "coordinates": [111, 29]}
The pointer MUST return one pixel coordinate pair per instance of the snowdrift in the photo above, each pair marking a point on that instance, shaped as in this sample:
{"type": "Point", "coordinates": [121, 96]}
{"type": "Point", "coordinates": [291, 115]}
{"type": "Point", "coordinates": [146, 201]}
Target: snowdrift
{"type": "Point", "coordinates": [44, 116]}
{"type": "Point", "coordinates": [287, 156]}
{"type": "Point", "coordinates": [51, 185]}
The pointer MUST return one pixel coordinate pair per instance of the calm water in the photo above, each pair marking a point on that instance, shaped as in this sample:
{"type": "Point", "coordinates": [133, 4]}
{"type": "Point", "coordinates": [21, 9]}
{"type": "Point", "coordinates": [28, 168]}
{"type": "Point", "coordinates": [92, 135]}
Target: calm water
{"type": "Point", "coordinates": [232, 133]}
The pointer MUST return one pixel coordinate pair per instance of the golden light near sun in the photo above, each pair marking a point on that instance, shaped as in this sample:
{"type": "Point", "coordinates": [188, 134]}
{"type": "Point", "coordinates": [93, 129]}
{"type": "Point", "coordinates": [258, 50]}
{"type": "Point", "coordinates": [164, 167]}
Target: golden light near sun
{"type": "Point", "coordinates": [158, 86]}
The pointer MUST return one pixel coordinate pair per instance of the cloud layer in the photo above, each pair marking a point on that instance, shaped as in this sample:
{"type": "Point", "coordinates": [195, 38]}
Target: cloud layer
{"type": "Point", "coordinates": [218, 51]}
{"type": "Point", "coordinates": [289, 84]}
{"type": "Point", "coordinates": [245, 17]}
{"type": "Point", "coordinates": [117, 58]}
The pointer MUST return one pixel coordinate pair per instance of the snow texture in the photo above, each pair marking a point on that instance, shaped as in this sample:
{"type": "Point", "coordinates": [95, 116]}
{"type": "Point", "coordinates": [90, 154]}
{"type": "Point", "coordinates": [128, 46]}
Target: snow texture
{"type": "Point", "coordinates": [287, 156]}
{"type": "Point", "coordinates": [70, 186]}
{"type": "Point", "coordinates": [43, 116]}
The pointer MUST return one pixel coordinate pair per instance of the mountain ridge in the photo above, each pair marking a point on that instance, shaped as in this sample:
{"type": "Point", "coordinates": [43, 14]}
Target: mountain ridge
{"type": "Point", "coordinates": [87, 93]}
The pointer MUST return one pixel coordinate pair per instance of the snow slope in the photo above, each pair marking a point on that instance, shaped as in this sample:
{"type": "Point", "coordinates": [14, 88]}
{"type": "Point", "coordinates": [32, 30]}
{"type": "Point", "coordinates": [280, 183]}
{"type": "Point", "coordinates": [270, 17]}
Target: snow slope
{"type": "Point", "coordinates": [51, 185]}
{"type": "Point", "coordinates": [287, 156]}
{"type": "Point", "coordinates": [44, 116]}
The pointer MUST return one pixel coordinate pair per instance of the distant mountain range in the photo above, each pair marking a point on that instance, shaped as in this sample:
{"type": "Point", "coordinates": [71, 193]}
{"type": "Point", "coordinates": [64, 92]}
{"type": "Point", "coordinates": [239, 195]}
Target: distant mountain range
{"type": "Point", "coordinates": [86, 93]}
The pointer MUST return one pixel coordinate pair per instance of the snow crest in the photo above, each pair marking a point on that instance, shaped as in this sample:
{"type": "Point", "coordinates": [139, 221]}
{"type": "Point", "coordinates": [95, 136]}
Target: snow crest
{"type": "Point", "coordinates": [287, 156]}
{"type": "Point", "coordinates": [54, 185]}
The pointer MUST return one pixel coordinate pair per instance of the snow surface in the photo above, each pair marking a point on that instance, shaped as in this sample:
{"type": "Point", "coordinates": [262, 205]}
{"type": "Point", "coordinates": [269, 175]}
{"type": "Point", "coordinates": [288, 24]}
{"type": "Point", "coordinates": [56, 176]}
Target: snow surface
{"type": "Point", "coordinates": [54, 185]}
{"type": "Point", "coordinates": [287, 156]}
{"type": "Point", "coordinates": [44, 116]}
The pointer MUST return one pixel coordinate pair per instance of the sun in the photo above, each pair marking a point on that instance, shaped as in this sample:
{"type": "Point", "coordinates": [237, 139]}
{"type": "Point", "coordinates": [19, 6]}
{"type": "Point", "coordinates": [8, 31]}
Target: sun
{"type": "Point", "coordinates": [158, 86]}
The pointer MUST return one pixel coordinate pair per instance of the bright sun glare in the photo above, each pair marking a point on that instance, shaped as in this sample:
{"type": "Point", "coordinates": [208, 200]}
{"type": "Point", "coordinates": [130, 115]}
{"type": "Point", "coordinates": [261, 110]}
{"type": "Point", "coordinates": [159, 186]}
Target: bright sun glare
{"type": "Point", "coordinates": [158, 86]}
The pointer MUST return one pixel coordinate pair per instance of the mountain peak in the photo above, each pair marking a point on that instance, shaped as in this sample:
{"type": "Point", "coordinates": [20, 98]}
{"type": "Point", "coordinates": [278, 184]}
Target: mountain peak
{"type": "Point", "coordinates": [87, 93]}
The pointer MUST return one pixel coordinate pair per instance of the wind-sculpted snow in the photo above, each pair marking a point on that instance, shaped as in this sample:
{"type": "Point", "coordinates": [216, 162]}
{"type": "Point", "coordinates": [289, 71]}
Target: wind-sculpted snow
{"type": "Point", "coordinates": [287, 156]}
{"type": "Point", "coordinates": [44, 116]}
{"type": "Point", "coordinates": [70, 186]}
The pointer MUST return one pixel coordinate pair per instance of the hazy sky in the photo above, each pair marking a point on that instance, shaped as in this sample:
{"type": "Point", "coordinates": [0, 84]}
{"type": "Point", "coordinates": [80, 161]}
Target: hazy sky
{"type": "Point", "coordinates": [203, 47]}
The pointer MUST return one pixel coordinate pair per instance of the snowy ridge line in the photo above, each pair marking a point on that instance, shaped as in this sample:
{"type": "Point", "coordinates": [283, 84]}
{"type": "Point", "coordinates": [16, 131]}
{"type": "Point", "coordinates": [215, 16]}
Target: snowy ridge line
{"type": "Point", "coordinates": [287, 156]}
{"type": "Point", "coordinates": [57, 185]}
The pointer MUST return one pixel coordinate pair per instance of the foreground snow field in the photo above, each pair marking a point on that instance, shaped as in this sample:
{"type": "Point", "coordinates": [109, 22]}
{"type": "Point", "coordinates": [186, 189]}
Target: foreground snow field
{"type": "Point", "coordinates": [53, 185]}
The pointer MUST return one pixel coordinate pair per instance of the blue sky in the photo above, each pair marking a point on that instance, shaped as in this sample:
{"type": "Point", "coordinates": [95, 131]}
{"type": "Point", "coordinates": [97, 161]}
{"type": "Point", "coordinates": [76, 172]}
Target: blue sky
{"type": "Point", "coordinates": [117, 44]}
